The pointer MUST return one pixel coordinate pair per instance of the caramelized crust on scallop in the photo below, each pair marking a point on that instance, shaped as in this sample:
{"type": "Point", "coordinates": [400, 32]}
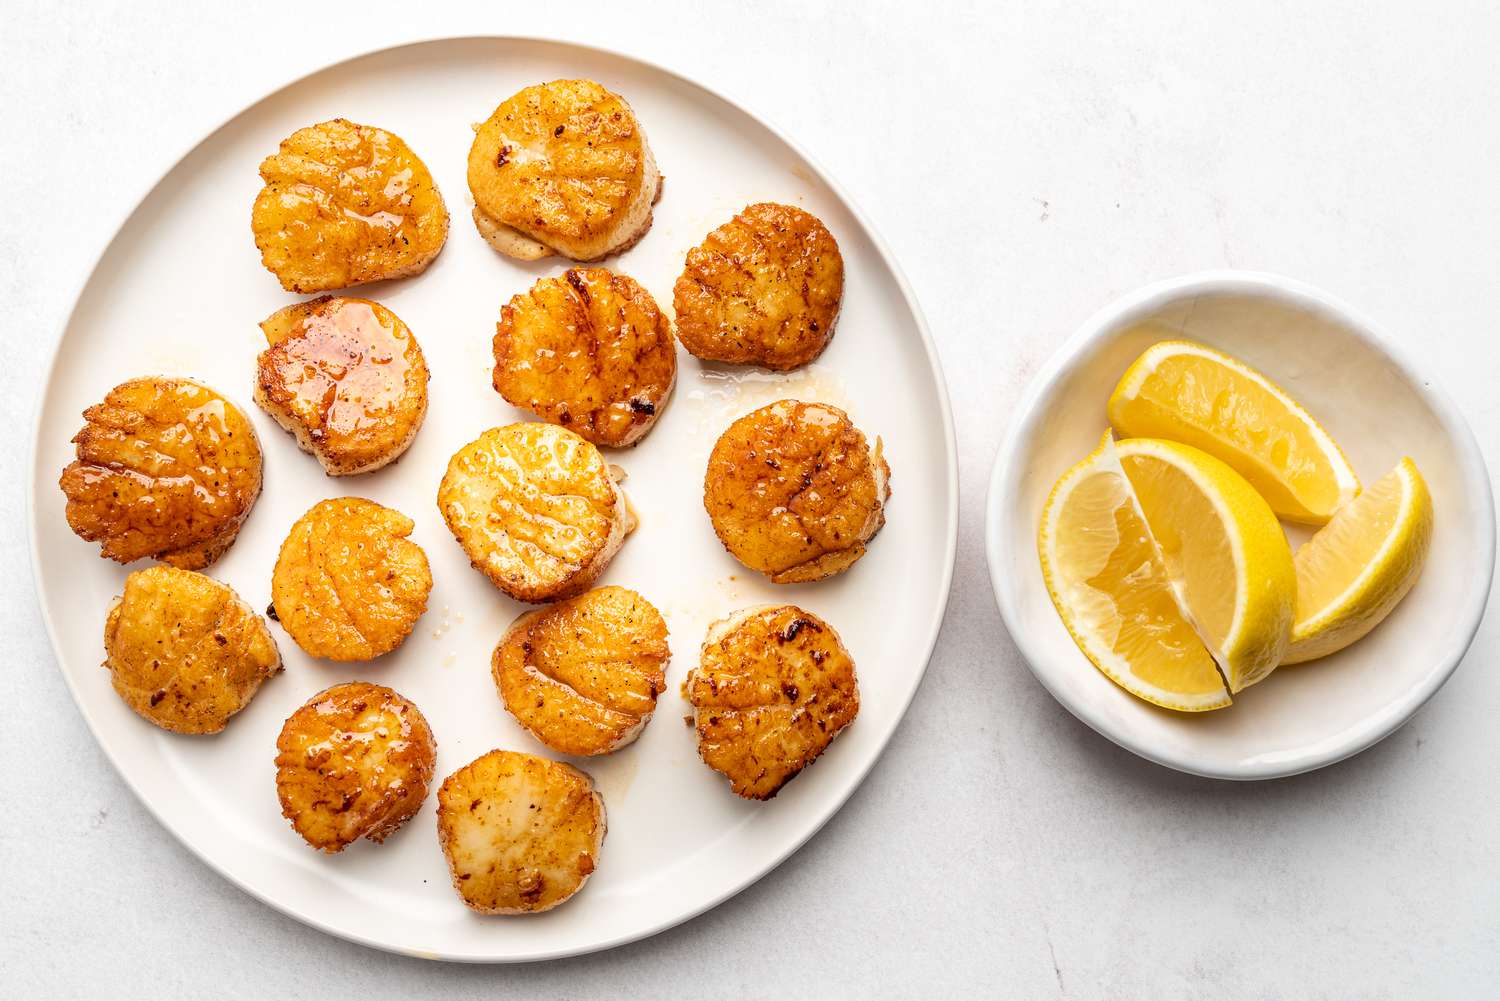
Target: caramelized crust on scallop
{"type": "Point", "coordinates": [349, 584]}
{"type": "Point", "coordinates": [588, 350]}
{"type": "Point", "coordinates": [521, 833]}
{"type": "Point", "coordinates": [184, 651]}
{"type": "Point", "coordinates": [795, 491]}
{"type": "Point", "coordinates": [347, 378]}
{"type": "Point", "coordinates": [583, 675]}
{"type": "Point", "coordinates": [773, 688]}
{"type": "Point", "coordinates": [167, 468]}
{"type": "Point", "coordinates": [762, 289]}
{"type": "Point", "coordinates": [346, 204]}
{"type": "Point", "coordinates": [536, 509]}
{"type": "Point", "coordinates": [563, 168]}
{"type": "Point", "coordinates": [354, 762]}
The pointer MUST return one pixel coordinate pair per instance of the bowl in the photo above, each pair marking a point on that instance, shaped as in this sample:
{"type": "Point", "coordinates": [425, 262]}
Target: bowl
{"type": "Point", "coordinates": [1378, 404]}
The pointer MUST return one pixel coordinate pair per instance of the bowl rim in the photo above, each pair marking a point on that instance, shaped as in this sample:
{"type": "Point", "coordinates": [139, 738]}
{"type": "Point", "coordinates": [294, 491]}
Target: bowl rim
{"type": "Point", "coordinates": [1104, 322]}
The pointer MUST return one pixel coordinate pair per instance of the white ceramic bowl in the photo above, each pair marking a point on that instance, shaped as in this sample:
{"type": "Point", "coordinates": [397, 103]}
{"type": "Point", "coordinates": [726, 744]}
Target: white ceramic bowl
{"type": "Point", "coordinates": [1378, 404]}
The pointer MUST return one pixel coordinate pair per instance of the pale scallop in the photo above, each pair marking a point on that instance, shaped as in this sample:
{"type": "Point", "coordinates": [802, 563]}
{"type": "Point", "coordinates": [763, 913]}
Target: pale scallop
{"type": "Point", "coordinates": [521, 833]}
{"type": "Point", "coordinates": [536, 509]}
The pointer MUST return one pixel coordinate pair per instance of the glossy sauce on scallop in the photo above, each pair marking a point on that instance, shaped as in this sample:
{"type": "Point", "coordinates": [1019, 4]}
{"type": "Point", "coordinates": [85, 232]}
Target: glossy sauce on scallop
{"type": "Point", "coordinates": [583, 675]}
{"type": "Point", "coordinates": [166, 468]}
{"type": "Point", "coordinates": [589, 350]}
{"type": "Point", "coordinates": [355, 761]}
{"type": "Point", "coordinates": [773, 688]}
{"type": "Point", "coordinates": [794, 490]}
{"type": "Point", "coordinates": [763, 289]}
{"type": "Point", "coordinates": [345, 368]}
{"type": "Point", "coordinates": [345, 204]}
{"type": "Point", "coordinates": [349, 584]}
{"type": "Point", "coordinates": [347, 374]}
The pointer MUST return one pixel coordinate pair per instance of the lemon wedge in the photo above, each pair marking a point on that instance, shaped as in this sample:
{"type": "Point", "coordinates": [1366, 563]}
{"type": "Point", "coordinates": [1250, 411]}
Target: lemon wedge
{"type": "Point", "coordinates": [1111, 588]}
{"type": "Point", "coordinates": [1186, 392]}
{"type": "Point", "coordinates": [1361, 564]}
{"type": "Point", "coordinates": [1224, 552]}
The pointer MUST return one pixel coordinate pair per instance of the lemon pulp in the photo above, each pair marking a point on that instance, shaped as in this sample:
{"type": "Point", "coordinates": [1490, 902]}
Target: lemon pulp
{"type": "Point", "coordinates": [1113, 591]}
{"type": "Point", "coordinates": [1224, 551]}
{"type": "Point", "coordinates": [1355, 570]}
{"type": "Point", "coordinates": [1190, 393]}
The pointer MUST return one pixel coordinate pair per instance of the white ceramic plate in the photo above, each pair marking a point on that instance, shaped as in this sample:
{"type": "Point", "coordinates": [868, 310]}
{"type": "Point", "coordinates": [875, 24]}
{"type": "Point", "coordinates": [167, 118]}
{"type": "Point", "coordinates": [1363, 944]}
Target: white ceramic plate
{"type": "Point", "coordinates": [180, 290]}
{"type": "Point", "coordinates": [1378, 405]}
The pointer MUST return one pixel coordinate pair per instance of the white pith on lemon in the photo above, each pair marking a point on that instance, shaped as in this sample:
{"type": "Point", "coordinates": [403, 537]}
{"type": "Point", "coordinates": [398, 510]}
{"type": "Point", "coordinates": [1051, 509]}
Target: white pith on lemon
{"type": "Point", "coordinates": [1186, 392]}
{"type": "Point", "coordinates": [1358, 567]}
{"type": "Point", "coordinates": [1110, 585]}
{"type": "Point", "coordinates": [1224, 551]}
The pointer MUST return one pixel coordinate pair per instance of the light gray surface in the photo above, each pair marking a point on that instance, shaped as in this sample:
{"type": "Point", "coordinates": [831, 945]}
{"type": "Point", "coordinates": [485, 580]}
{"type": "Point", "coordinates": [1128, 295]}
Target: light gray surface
{"type": "Point", "coordinates": [1026, 164]}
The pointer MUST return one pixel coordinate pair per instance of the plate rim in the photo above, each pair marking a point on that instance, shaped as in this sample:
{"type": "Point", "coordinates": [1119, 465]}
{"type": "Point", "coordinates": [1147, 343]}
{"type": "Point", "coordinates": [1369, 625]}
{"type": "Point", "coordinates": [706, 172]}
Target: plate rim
{"type": "Point", "coordinates": [841, 796]}
{"type": "Point", "coordinates": [1003, 477]}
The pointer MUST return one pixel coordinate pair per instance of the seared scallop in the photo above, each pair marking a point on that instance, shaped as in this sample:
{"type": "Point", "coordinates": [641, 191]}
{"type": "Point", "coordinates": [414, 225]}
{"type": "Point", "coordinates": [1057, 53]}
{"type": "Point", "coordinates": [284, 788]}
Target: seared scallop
{"type": "Point", "coordinates": [354, 762]}
{"type": "Point", "coordinates": [349, 584]}
{"type": "Point", "coordinates": [795, 491]}
{"type": "Point", "coordinates": [346, 204]}
{"type": "Point", "coordinates": [773, 688]}
{"type": "Point", "coordinates": [583, 675]}
{"type": "Point", "coordinates": [536, 509]}
{"type": "Point", "coordinates": [762, 289]}
{"type": "Point", "coordinates": [184, 651]}
{"type": "Point", "coordinates": [167, 468]}
{"type": "Point", "coordinates": [346, 377]}
{"type": "Point", "coordinates": [590, 351]}
{"type": "Point", "coordinates": [562, 168]}
{"type": "Point", "coordinates": [521, 833]}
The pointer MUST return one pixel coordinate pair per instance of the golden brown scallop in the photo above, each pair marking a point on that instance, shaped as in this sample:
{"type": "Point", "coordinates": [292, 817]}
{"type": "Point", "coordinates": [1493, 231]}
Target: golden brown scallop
{"type": "Point", "coordinates": [347, 378]}
{"type": "Point", "coordinates": [536, 509]}
{"type": "Point", "coordinates": [355, 761]}
{"type": "Point", "coordinates": [349, 584]}
{"type": "Point", "coordinates": [795, 491]}
{"type": "Point", "coordinates": [588, 350]}
{"type": "Point", "coordinates": [773, 688]}
{"type": "Point", "coordinates": [762, 289]}
{"type": "Point", "coordinates": [521, 833]}
{"type": "Point", "coordinates": [184, 651]}
{"type": "Point", "coordinates": [562, 168]}
{"type": "Point", "coordinates": [583, 675]}
{"type": "Point", "coordinates": [167, 468]}
{"type": "Point", "coordinates": [346, 204]}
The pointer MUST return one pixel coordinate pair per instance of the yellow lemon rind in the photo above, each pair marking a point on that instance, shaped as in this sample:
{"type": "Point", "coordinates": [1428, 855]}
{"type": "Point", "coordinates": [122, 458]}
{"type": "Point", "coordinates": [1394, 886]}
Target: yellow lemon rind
{"type": "Point", "coordinates": [1102, 659]}
{"type": "Point", "coordinates": [1385, 581]}
{"type": "Point", "coordinates": [1260, 632]}
{"type": "Point", "coordinates": [1289, 506]}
